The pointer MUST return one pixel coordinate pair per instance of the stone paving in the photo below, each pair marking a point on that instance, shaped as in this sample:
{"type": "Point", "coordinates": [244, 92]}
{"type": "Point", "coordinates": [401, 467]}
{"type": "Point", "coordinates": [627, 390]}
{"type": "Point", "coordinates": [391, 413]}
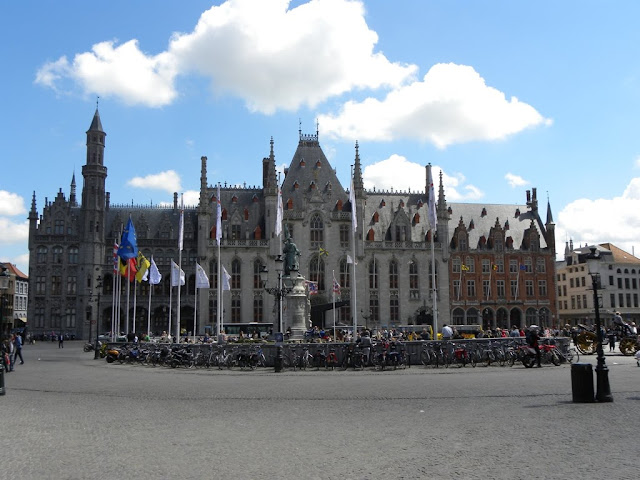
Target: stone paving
{"type": "Point", "coordinates": [67, 416]}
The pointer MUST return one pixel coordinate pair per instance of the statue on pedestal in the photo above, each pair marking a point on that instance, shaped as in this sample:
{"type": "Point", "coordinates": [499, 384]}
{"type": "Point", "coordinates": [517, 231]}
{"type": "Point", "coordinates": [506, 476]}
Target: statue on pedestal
{"type": "Point", "coordinates": [291, 254]}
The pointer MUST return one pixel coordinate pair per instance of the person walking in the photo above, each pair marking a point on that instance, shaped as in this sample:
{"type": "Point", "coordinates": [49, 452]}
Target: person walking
{"type": "Point", "coordinates": [61, 340]}
{"type": "Point", "coordinates": [17, 344]}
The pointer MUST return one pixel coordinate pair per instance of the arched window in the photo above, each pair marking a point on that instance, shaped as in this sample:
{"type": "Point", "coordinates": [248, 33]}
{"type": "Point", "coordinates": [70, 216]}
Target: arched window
{"type": "Point", "coordinates": [414, 281]}
{"type": "Point", "coordinates": [373, 274]}
{"type": "Point", "coordinates": [316, 271]}
{"type": "Point", "coordinates": [73, 254]}
{"type": "Point", "coordinates": [257, 267]}
{"type": "Point", "coordinates": [57, 254]}
{"type": "Point", "coordinates": [41, 255]}
{"type": "Point", "coordinates": [345, 278]}
{"type": "Point", "coordinates": [317, 230]}
{"type": "Point", "coordinates": [235, 274]}
{"type": "Point", "coordinates": [393, 274]}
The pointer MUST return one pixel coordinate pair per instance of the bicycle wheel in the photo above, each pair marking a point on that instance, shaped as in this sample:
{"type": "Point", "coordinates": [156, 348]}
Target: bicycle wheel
{"type": "Point", "coordinates": [425, 357]}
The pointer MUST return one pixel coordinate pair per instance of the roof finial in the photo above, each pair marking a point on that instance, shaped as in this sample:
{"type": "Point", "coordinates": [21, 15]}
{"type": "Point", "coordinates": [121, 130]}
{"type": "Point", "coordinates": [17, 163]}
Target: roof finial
{"type": "Point", "coordinates": [300, 128]}
{"type": "Point", "coordinates": [97, 101]}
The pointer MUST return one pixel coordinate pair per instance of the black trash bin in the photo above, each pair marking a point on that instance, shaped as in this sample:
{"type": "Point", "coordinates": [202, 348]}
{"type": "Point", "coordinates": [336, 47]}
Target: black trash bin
{"type": "Point", "coordinates": [582, 383]}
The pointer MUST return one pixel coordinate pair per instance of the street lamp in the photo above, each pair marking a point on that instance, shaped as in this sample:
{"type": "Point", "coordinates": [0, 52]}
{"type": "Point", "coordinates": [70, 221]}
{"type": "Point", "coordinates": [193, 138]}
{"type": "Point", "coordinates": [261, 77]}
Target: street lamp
{"type": "Point", "coordinates": [366, 319]}
{"type": "Point", "coordinates": [4, 285]}
{"type": "Point", "coordinates": [603, 390]}
{"type": "Point", "coordinates": [279, 292]}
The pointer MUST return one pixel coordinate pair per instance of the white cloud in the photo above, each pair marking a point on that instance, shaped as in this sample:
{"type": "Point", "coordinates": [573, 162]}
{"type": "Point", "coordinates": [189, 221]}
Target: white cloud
{"type": "Point", "coordinates": [191, 198]}
{"type": "Point", "coordinates": [515, 180]}
{"type": "Point", "coordinates": [269, 55]}
{"type": "Point", "coordinates": [13, 232]}
{"type": "Point", "coordinates": [615, 220]}
{"type": "Point", "coordinates": [11, 204]}
{"type": "Point", "coordinates": [451, 105]}
{"type": "Point", "coordinates": [636, 162]}
{"type": "Point", "coordinates": [398, 173]}
{"type": "Point", "coordinates": [168, 181]}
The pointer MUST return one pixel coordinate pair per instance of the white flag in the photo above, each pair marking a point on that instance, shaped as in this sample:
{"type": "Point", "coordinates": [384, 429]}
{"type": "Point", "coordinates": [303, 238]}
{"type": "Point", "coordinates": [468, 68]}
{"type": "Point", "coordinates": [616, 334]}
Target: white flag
{"type": "Point", "coordinates": [279, 213]}
{"type": "Point", "coordinates": [219, 218]}
{"type": "Point", "coordinates": [202, 280]}
{"type": "Point", "coordinates": [431, 202]}
{"type": "Point", "coordinates": [177, 275]}
{"type": "Point", "coordinates": [352, 200]}
{"type": "Point", "coordinates": [350, 260]}
{"type": "Point", "coordinates": [181, 230]}
{"type": "Point", "coordinates": [154, 274]}
{"type": "Point", "coordinates": [226, 285]}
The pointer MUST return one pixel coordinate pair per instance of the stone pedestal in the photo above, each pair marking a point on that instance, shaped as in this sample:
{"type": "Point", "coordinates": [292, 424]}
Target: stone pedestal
{"type": "Point", "coordinates": [297, 315]}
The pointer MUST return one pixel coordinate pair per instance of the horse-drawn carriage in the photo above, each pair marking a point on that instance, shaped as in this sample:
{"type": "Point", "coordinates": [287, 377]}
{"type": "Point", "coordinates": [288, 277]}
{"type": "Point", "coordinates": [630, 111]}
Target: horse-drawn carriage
{"type": "Point", "coordinates": [586, 339]}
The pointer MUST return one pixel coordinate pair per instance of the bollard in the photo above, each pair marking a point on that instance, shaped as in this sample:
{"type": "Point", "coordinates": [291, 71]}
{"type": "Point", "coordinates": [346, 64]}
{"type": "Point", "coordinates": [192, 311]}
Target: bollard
{"type": "Point", "coordinates": [277, 362]}
{"type": "Point", "coordinates": [582, 383]}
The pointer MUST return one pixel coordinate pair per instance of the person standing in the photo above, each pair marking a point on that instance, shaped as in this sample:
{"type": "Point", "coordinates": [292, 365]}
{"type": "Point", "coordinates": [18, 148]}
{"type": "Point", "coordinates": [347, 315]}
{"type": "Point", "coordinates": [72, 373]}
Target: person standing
{"type": "Point", "coordinates": [17, 344]}
{"type": "Point", "coordinates": [612, 339]}
{"type": "Point", "coordinates": [533, 339]}
{"type": "Point", "coordinates": [447, 332]}
{"type": "Point", "coordinates": [61, 340]}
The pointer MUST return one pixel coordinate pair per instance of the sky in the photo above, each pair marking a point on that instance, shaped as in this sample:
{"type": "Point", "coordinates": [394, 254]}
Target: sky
{"type": "Point", "coordinates": [500, 96]}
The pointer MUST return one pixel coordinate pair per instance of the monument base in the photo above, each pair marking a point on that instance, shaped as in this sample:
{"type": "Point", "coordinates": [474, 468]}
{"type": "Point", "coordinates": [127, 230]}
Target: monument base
{"type": "Point", "coordinates": [298, 313]}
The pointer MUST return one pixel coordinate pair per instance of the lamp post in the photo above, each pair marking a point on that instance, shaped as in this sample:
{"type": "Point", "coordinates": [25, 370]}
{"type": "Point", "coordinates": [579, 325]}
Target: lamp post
{"type": "Point", "coordinates": [603, 390]}
{"type": "Point", "coordinates": [4, 285]}
{"type": "Point", "coordinates": [279, 292]}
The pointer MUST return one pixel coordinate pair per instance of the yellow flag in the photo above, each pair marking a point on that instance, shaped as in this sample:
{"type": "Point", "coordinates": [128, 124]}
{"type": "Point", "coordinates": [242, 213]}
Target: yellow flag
{"type": "Point", "coordinates": [143, 267]}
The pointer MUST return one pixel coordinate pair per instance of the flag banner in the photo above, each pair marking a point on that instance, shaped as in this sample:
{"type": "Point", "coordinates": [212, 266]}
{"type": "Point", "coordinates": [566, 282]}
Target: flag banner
{"type": "Point", "coordinates": [350, 260]}
{"type": "Point", "coordinates": [181, 231]}
{"type": "Point", "coordinates": [431, 201]}
{"type": "Point", "coordinates": [226, 279]}
{"type": "Point", "coordinates": [336, 286]}
{"type": "Point", "coordinates": [279, 213]}
{"type": "Point", "coordinates": [128, 245]}
{"type": "Point", "coordinates": [523, 267]}
{"type": "Point", "coordinates": [143, 268]}
{"type": "Point", "coordinates": [177, 275]}
{"type": "Point", "coordinates": [219, 218]}
{"type": "Point", "coordinates": [202, 280]}
{"type": "Point", "coordinates": [122, 267]}
{"type": "Point", "coordinates": [352, 201]}
{"type": "Point", "coordinates": [312, 286]}
{"type": "Point", "coordinates": [494, 267]}
{"type": "Point", "coordinates": [115, 257]}
{"type": "Point", "coordinates": [154, 274]}
{"type": "Point", "coordinates": [464, 268]}
{"type": "Point", "coordinates": [322, 252]}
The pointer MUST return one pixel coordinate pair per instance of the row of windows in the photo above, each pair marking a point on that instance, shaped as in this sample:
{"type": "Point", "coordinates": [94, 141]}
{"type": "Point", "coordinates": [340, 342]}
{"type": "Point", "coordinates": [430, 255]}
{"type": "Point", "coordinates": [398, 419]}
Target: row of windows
{"type": "Point", "coordinates": [500, 289]}
{"type": "Point", "coordinates": [621, 283]}
{"type": "Point", "coordinates": [57, 318]}
{"type": "Point", "coordinates": [497, 265]}
{"type": "Point", "coordinates": [579, 302]}
{"type": "Point", "coordinates": [57, 254]}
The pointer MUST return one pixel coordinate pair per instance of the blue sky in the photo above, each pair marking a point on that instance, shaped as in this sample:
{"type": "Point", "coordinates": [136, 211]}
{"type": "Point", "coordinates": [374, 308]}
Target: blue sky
{"type": "Point", "coordinates": [501, 96]}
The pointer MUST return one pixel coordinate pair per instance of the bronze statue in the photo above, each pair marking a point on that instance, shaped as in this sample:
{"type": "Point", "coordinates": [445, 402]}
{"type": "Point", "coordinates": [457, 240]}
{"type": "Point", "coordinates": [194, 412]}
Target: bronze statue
{"type": "Point", "coordinates": [291, 254]}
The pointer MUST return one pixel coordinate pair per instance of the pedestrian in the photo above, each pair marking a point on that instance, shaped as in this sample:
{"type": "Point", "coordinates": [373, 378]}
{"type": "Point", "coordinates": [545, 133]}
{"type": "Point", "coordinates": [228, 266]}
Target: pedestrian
{"type": "Point", "coordinates": [533, 338]}
{"type": "Point", "coordinates": [612, 339]}
{"type": "Point", "coordinates": [6, 355]}
{"type": "Point", "coordinates": [447, 332]}
{"type": "Point", "coordinates": [17, 344]}
{"type": "Point", "coordinates": [61, 340]}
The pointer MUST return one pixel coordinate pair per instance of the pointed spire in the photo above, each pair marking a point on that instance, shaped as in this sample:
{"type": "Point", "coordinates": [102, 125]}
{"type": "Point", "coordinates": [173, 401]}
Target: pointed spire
{"type": "Point", "coordinates": [442, 202]}
{"type": "Point", "coordinates": [33, 210]}
{"type": "Point", "coordinates": [72, 193]}
{"type": "Point", "coordinates": [96, 124]}
{"type": "Point", "coordinates": [358, 184]}
{"type": "Point", "coordinates": [549, 214]}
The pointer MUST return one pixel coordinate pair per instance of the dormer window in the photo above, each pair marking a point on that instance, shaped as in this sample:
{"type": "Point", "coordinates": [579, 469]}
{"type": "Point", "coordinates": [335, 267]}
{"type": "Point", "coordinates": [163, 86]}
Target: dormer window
{"type": "Point", "coordinates": [339, 205]}
{"type": "Point", "coordinates": [517, 212]}
{"type": "Point", "coordinates": [312, 186]}
{"type": "Point", "coordinates": [234, 199]}
{"type": "Point", "coordinates": [375, 218]}
{"type": "Point", "coordinates": [416, 218]}
{"type": "Point", "coordinates": [255, 199]}
{"type": "Point", "coordinates": [296, 185]}
{"type": "Point", "coordinates": [302, 164]}
{"type": "Point", "coordinates": [401, 203]}
{"type": "Point", "coordinates": [290, 204]}
{"type": "Point", "coordinates": [318, 164]}
{"type": "Point", "coordinates": [484, 212]}
{"type": "Point", "coordinates": [382, 204]}
{"type": "Point", "coordinates": [246, 214]}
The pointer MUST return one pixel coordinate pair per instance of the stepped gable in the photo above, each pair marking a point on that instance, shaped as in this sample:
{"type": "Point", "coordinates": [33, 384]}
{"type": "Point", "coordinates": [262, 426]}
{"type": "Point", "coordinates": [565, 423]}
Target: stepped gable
{"type": "Point", "coordinates": [516, 217]}
{"type": "Point", "coordinates": [384, 210]}
{"type": "Point", "coordinates": [310, 178]}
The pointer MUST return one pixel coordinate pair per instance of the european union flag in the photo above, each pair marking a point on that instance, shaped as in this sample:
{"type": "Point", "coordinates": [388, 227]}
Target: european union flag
{"type": "Point", "coordinates": [129, 245]}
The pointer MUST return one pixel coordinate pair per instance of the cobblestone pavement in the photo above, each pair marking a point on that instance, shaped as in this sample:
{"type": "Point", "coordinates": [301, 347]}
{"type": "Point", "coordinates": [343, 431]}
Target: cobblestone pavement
{"type": "Point", "coordinates": [67, 416]}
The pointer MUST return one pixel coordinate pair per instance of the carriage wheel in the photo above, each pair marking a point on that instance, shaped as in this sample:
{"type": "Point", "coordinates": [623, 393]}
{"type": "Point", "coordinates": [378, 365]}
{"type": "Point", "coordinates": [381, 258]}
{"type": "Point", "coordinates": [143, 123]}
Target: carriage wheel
{"type": "Point", "coordinates": [587, 343]}
{"type": "Point", "coordinates": [628, 345]}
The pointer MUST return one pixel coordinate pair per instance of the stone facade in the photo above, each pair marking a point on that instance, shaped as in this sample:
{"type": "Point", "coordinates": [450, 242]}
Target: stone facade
{"type": "Point", "coordinates": [71, 251]}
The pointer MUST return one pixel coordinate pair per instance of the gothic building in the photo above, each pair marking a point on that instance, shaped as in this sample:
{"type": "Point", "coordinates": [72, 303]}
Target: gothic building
{"type": "Point", "coordinates": [494, 264]}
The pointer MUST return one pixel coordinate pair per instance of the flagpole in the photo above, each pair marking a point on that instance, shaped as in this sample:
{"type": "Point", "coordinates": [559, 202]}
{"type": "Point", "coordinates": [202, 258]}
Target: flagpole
{"type": "Point", "coordinates": [354, 224]}
{"type": "Point", "coordinates": [135, 302]}
{"type": "Point", "coordinates": [333, 288]}
{"type": "Point", "coordinates": [149, 308]}
{"type": "Point", "coordinates": [170, 299]}
{"type": "Point", "coordinates": [434, 288]}
{"type": "Point", "coordinates": [195, 314]}
{"type": "Point", "coordinates": [219, 266]}
{"type": "Point", "coordinates": [180, 241]}
{"type": "Point", "coordinates": [128, 294]}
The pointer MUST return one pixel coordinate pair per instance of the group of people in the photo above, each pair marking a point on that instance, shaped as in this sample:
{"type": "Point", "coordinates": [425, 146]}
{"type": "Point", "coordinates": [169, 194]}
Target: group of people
{"type": "Point", "coordinates": [12, 351]}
